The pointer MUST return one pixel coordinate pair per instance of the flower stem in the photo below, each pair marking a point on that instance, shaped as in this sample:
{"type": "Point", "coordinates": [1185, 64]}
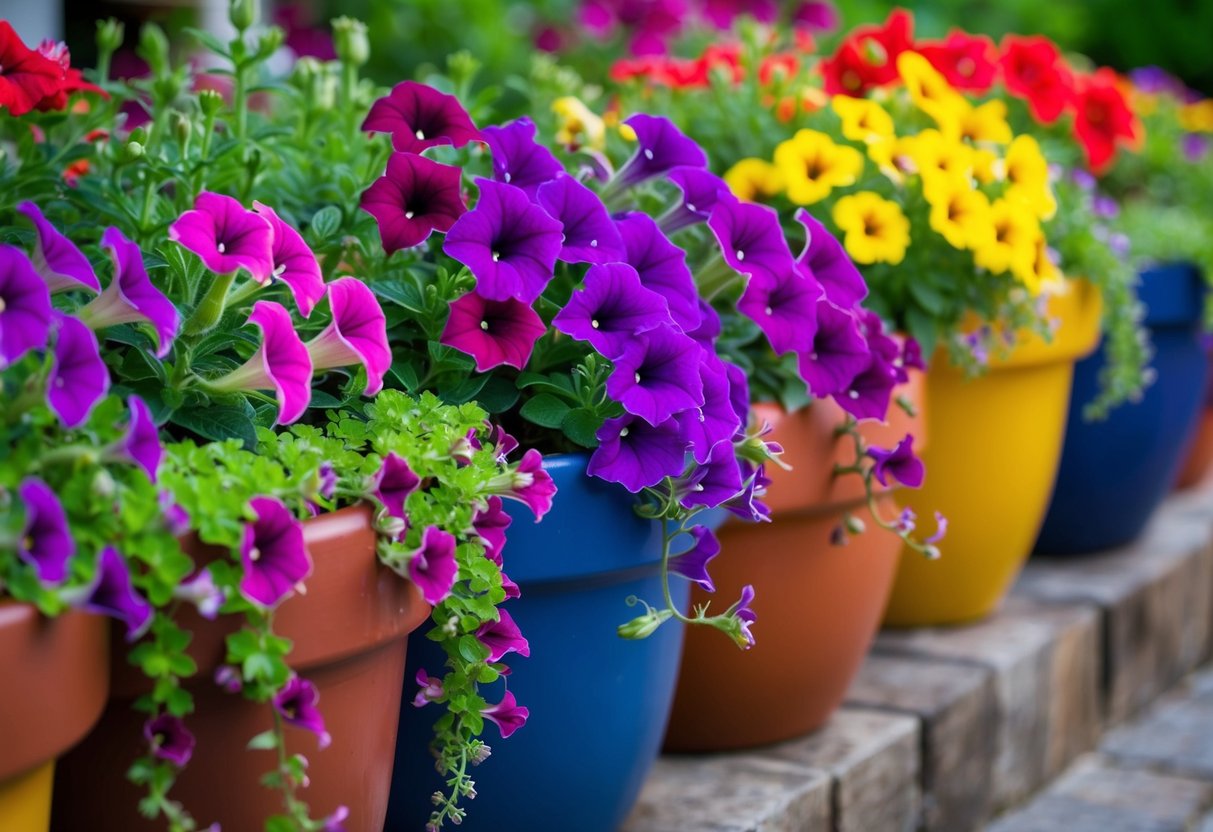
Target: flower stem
{"type": "Point", "coordinates": [210, 309]}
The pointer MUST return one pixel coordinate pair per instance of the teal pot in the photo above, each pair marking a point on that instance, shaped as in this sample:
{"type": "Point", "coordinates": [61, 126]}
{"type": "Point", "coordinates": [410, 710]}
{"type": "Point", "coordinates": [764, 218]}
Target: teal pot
{"type": "Point", "coordinates": [598, 703]}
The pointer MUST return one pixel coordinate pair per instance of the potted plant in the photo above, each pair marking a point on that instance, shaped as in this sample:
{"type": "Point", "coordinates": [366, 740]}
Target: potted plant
{"type": "Point", "coordinates": [203, 552]}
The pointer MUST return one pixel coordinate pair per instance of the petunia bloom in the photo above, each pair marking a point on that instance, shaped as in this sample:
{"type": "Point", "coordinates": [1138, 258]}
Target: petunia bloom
{"type": "Point", "coordinates": [431, 689]}
{"type": "Point", "coordinates": [968, 62]}
{"type": "Point", "coordinates": [294, 262]}
{"type": "Point", "coordinates": [510, 244]}
{"type": "Point", "coordinates": [715, 421]}
{"type": "Point", "coordinates": [112, 594]}
{"type": "Point", "coordinates": [393, 483]}
{"type": "Point", "coordinates": [281, 363]}
{"type": "Point", "coordinates": [693, 563]}
{"type": "Point", "coordinates": [415, 197]}
{"type": "Point", "coordinates": [507, 715]}
{"type": "Point", "coordinates": [433, 567]}
{"type": "Point", "coordinates": [826, 259]}
{"type": "Point", "coordinates": [46, 541]}
{"type": "Point", "coordinates": [700, 191]}
{"type": "Point", "coordinates": [297, 704]}
{"type": "Point", "coordinates": [141, 443]}
{"type": "Point", "coordinates": [518, 159]}
{"type": "Point", "coordinates": [62, 265]}
{"type": "Point", "coordinates": [612, 308]}
{"type": "Point", "coordinates": [750, 238]}
{"type": "Point", "coordinates": [867, 58]}
{"type": "Point", "coordinates": [227, 236]}
{"type": "Point", "coordinates": [900, 464]}
{"type": "Point", "coordinates": [489, 524]}
{"type": "Point", "coordinates": [356, 335]}
{"type": "Point", "coordinates": [660, 147]}
{"type": "Point", "coordinates": [419, 117]}
{"type": "Point", "coordinates": [202, 591]}
{"type": "Point", "coordinates": [869, 393]}
{"type": "Point", "coordinates": [745, 616]}
{"type": "Point", "coordinates": [78, 377]}
{"type": "Point", "coordinates": [130, 296]}
{"type": "Point", "coordinates": [1103, 118]}
{"type": "Point", "coordinates": [661, 265]}
{"type": "Point", "coordinates": [1033, 69]}
{"type": "Point", "coordinates": [590, 236]}
{"type": "Point", "coordinates": [493, 332]}
{"type": "Point", "coordinates": [25, 306]}
{"type": "Point", "coordinates": [784, 305]}
{"type": "Point", "coordinates": [503, 636]}
{"type": "Point", "coordinates": [528, 483]}
{"type": "Point", "coordinates": [716, 482]}
{"type": "Point", "coordinates": [839, 352]}
{"type": "Point", "coordinates": [273, 552]}
{"type": "Point", "coordinates": [169, 739]}
{"type": "Point", "coordinates": [657, 375]}
{"type": "Point", "coordinates": [636, 454]}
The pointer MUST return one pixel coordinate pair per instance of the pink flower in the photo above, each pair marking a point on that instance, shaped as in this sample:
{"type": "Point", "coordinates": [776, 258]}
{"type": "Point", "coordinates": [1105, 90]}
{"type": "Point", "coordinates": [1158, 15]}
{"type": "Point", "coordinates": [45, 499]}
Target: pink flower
{"type": "Point", "coordinates": [130, 296]}
{"type": "Point", "coordinates": [227, 236]}
{"type": "Point", "coordinates": [294, 262]}
{"type": "Point", "coordinates": [502, 637]}
{"type": "Point", "coordinates": [494, 332]}
{"type": "Point", "coordinates": [393, 484]}
{"type": "Point", "coordinates": [433, 567]}
{"type": "Point", "coordinates": [528, 483]}
{"type": "Point", "coordinates": [431, 689]}
{"type": "Point", "coordinates": [507, 715]}
{"type": "Point", "coordinates": [282, 363]}
{"type": "Point", "coordinates": [273, 553]}
{"type": "Point", "coordinates": [419, 117]}
{"type": "Point", "coordinates": [357, 334]}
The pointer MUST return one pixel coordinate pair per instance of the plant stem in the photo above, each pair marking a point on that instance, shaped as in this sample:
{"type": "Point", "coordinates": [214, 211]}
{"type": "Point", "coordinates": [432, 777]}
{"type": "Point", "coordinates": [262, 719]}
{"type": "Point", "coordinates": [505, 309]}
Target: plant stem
{"type": "Point", "coordinates": [210, 309]}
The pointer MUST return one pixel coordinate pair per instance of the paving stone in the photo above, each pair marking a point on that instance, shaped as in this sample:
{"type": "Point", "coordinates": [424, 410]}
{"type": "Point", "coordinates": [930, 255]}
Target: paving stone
{"type": "Point", "coordinates": [874, 761]}
{"type": "Point", "coordinates": [1157, 602]}
{"type": "Point", "coordinates": [1045, 661]}
{"type": "Point", "coordinates": [1095, 796]}
{"type": "Point", "coordinates": [732, 793]}
{"type": "Point", "coordinates": [957, 707]}
{"type": "Point", "coordinates": [1175, 735]}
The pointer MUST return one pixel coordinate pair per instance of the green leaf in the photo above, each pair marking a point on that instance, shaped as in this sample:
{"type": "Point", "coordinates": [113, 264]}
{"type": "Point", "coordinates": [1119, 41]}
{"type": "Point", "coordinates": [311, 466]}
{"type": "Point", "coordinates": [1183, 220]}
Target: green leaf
{"type": "Point", "coordinates": [325, 222]}
{"type": "Point", "coordinates": [581, 426]}
{"type": "Point", "coordinates": [219, 422]}
{"type": "Point", "coordinates": [400, 293]}
{"type": "Point", "coordinates": [265, 741]}
{"type": "Point", "coordinates": [472, 649]}
{"type": "Point", "coordinates": [545, 410]}
{"type": "Point", "coordinates": [928, 297]}
{"type": "Point", "coordinates": [464, 391]}
{"type": "Point", "coordinates": [923, 327]}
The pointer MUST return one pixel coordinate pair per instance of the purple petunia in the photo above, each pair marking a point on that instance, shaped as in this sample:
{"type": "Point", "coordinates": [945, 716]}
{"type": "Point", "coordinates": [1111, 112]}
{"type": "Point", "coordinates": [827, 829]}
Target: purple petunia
{"type": "Point", "coordinates": [784, 305]}
{"type": "Point", "coordinates": [281, 363]}
{"type": "Point", "coordinates": [748, 504]}
{"type": "Point", "coordinates": [433, 567]}
{"type": "Point", "coordinates": [636, 454]}
{"type": "Point", "coordinates": [612, 309]}
{"type": "Point", "coordinates": [169, 739]}
{"type": "Point", "coordinates": [56, 258]}
{"type": "Point", "coordinates": [130, 296]}
{"type": "Point", "coordinates": [715, 421]}
{"type": "Point", "coordinates": [745, 616]}
{"type": "Point", "coordinates": [503, 636]}
{"type": "Point", "coordinates": [25, 306]}
{"type": "Point", "coordinates": [356, 335]}
{"type": "Point", "coordinates": [900, 464]}
{"type": "Point", "coordinates": [657, 375]}
{"type": "Point", "coordinates": [273, 552]}
{"type": "Point", "coordinates": [826, 259]}
{"type": "Point", "coordinates": [490, 524]}
{"type": "Point", "coordinates": [507, 715]}
{"type": "Point", "coordinates": [660, 147]}
{"type": "Point", "coordinates": [112, 594]}
{"type": "Point", "coordinates": [838, 354]}
{"type": "Point", "coordinates": [708, 329]}
{"type": "Point", "coordinates": [693, 563]}
{"type": "Point", "coordinates": [869, 393]}
{"type": "Point", "coordinates": [297, 704]}
{"type": "Point", "coordinates": [518, 159]}
{"type": "Point", "coordinates": [141, 443]}
{"type": "Point", "coordinates": [750, 238]}
{"type": "Point", "coordinates": [294, 262]}
{"type": "Point", "coordinates": [414, 198]}
{"type": "Point", "coordinates": [78, 376]}
{"type": "Point", "coordinates": [393, 483]}
{"type": "Point", "coordinates": [701, 190]}
{"type": "Point", "coordinates": [716, 482]}
{"type": "Point", "coordinates": [528, 483]}
{"type": "Point", "coordinates": [46, 541]}
{"type": "Point", "coordinates": [431, 689]}
{"type": "Point", "coordinates": [590, 236]}
{"type": "Point", "coordinates": [739, 392]}
{"type": "Point", "coordinates": [419, 117]}
{"type": "Point", "coordinates": [510, 244]}
{"type": "Point", "coordinates": [662, 266]}
{"type": "Point", "coordinates": [493, 332]}
{"type": "Point", "coordinates": [227, 236]}
{"type": "Point", "coordinates": [202, 591]}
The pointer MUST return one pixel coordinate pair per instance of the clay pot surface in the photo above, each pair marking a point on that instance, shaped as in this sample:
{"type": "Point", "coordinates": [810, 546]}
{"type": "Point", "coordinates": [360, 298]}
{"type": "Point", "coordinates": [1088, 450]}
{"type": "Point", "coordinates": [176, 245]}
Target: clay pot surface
{"type": "Point", "coordinates": [1200, 454]}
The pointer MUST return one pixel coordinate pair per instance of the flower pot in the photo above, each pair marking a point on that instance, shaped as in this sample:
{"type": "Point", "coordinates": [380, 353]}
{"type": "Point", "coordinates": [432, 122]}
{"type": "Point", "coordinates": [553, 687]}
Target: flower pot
{"type": "Point", "coordinates": [598, 703]}
{"type": "Point", "coordinates": [1199, 457]}
{"type": "Point", "coordinates": [57, 679]}
{"type": "Point", "coordinates": [1120, 469]}
{"type": "Point", "coordinates": [349, 634]}
{"type": "Point", "coordinates": [995, 444]}
{"type": "Point", "coordinates": [818, 605]}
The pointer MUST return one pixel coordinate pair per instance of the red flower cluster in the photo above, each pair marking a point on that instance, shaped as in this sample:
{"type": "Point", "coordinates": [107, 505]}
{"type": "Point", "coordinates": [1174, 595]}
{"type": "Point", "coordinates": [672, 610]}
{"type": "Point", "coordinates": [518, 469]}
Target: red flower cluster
{"type": "Point", "coordinates": [40, 79]}
{"type": "Point", "coordinates": [867, 58]}
{"type": "Point", "coordinates": [681, 73]}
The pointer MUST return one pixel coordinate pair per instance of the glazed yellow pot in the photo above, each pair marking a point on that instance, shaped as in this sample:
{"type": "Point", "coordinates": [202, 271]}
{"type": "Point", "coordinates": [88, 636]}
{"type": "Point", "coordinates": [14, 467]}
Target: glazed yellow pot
{"type": "Point", "coordinates": [25, 800]}
{"type": "Point", "coordinates": [995, 445]}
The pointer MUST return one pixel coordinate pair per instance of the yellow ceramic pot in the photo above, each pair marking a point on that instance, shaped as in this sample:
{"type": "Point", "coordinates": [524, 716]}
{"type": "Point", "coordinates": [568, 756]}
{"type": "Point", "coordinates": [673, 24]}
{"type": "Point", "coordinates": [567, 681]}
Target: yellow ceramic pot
{"type": "Point", "coordinates": [995, 446]}
{"type": "Point", "coordinates": [25, 800]}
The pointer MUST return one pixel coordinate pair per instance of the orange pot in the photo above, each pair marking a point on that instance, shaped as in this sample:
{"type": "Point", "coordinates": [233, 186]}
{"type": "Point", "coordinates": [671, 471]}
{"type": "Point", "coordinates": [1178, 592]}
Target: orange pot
{"type": "Point", "coordinates": [1200, 455]}
{"type": "Point", "coordinates": [818, 605]}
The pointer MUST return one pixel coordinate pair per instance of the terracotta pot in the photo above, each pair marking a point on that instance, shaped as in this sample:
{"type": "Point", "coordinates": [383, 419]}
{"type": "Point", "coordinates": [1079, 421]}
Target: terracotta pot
{"type": "Point", "coordinates": [349, 632]}
{"type": "Point", "coordinates": [1200, 454]}
{"type": "Point", "coordinates": [57, 680]}
{"type": "Point", "coordinates": [818, 605]}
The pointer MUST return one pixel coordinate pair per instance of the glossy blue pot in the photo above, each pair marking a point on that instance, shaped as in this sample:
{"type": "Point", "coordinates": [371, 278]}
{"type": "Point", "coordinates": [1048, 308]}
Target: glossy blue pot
{"type": "Point", "coordinates": [598, 703]}
{"type": "Point", "coordinates": [1114, 473]}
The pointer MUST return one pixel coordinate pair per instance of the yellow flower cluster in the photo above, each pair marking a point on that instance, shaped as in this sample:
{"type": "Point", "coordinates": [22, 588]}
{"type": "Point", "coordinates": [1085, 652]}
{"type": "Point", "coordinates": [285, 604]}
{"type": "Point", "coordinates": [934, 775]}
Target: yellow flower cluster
{"type": "Point", "coordinates": [986, 190]}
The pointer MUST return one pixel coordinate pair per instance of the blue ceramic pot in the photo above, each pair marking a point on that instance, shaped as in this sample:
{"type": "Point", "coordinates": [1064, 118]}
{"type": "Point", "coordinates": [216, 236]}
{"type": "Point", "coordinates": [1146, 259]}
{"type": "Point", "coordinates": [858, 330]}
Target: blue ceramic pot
{"type": "Point", "coordinates": [1114, 473]}
{"type": "Point", "coordinates": [598, 703]}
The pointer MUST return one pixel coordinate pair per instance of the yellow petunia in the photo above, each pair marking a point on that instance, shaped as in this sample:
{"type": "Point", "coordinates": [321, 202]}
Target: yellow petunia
{"type": "Point", "coordinates": [1013, 247]}
{"type": "Point", "coordinates": [934, 154]}
{"type": "Point", "coordinates": [987, 167]}
{"type": "Point", "coordinates": [812, 165]}
{"type": "Point", "coordinates": [876, 229]}
{"type": "Point", "coordinates": [1027, 173]}
{"type": "Point", "coordinates": [1041, 273]}
{"type": "Point", "coordinates": [891, 156]}
{"type": "Point", "coordinates": [1197, 117]}
{"type": "Point", "coordinates": [752, 179]}
{"type": "Point", "coordinates": [577, 124]}
{"type": "Point", "coordinates": [862, 120]}
{"type": "Point", "coordinates": [961, 121]}
{"type": "Point", "coordinates": [960, 213]}
{"type": "Point", "coordinates": [929, 90]}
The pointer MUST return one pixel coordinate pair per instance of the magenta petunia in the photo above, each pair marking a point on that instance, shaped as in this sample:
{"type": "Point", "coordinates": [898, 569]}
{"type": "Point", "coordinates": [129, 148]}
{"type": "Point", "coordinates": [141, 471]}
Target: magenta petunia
{"type": "Point", "coordinates": [518, 159]}
{"type": "Point", "coordinates": [78, 376]}
{"type": "Point", "coordinates": [701, 190]}
{"type": "Point", "coordinates": [295, 263]}
{"type": "Point", "coordinates": [899, 464]}
{"type": "Point", "coordinates": [503, 636]}
{"type": "Point", "coordinates": [169, 739]}
{"type": "Point", "coordinates": [816, 15]}
{"type": "Point", "coordinates": [590, 236]}
{"type": "Point", "coordinates": [723, 14]}
{"type": "Point", "coordinates": [715, 421]}
{"type": "Point", "coordinates": [693, 563]}
{"type": "Point", "coordinates": [493, 332]}
{"type": "Point", "coordinates": [130, 296]}
{"type": "Point", "coordinates": [657, 375]}
{"type": "Point", "coordinates": [433, 567]}
{"type": "Point", "coordinates": [662, 266]}
{"type": "Point", "coordinates": [507, 715]}
{"type": "Point", "coordinates": [785, 308]}
{"type": "Point", "coordinates": [281, 363]}
{"type": "Point", "coordinates": [227, 236]}
{"type": "Point", "coordinates": [46, 541]}
{"type": "Point", "coordinates": [751, 238]}
{"type": "Point", "coordinates": [418, 117]}
{"type": "Point", "coordinates": [273, 552]}
{"type": "Point", "coordinates": [510, 244]}
{"type": "Point", "coordinates": [393, 483]}
{"type": "Point", "coordinates": [660, 147]}
{"type": "Point", "coordinates": [716, 482]}
{"type": "Point", "coordinates": [112, 594]}
{"type": "Point", "coordinates": [838, 354]}
{"type": "Point", "coordinates": [415, 197]}
{"type": "Point", "coordinates": [636, 454]}
{"type": "Point", "coordinates": [25, 306]}
{"type": "Point", "coordinates": [141, 443]}
{"type": "Point", "coordinates": [62, 265]}
{"type": "Point", "coordinates": [612, 308]}
{"type": "Point", "coordinates": [297, 703]}
{"type": "Point", "coordinates": [826, 260]}
{"type": "Point", "coordinates": [431, 689]}
{"type": "Point", "coordinates": [490, 524]}
{"type": "Point", "coordinates": [528, 483]}
{"type": "Point", "coordinates": [202, 591]}
{"type": "Point", "coordinates": [356, 335]}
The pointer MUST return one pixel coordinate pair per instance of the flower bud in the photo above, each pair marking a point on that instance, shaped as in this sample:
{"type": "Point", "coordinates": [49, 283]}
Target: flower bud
{"type": "Point", "coordinates": [110, 34]}
{"type": "Point", "coordinates": [838, 536]}
{"type": "Point", "coordinates": [482, 753]}
{"type": "Point", "coordinates": [228, 678]}
{"type": "Point", "coordinates": [133, 150]}
{"type": "Point", "coordinates": [854, 524]}
{"type": "Point", "coordinates": [153, 48]}
{"type": "Point", "coordinates": [350, 42]}
{"type": "Point", "coordinates": [270, 42]}
{"type": "Point", "coordinates": [931, 552]}
{"type": "Point", "coordinates": [103, 484]}
{"type": "Point", "coordinates": [643, 626]}
{"type": "Point", "coordinates": [242, 13]}
{"type": "Point", "coordinates": [436, 798]}
{"type": "Point", "coordinates": [390, 526]}
{"type": "Point", "coordinates": [210, 101]}
{"type": "Point", "coordinates": [181, 126]}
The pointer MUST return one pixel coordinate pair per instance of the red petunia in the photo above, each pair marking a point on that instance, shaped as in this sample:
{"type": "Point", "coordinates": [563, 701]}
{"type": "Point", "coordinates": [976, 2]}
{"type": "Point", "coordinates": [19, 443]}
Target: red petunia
{"type": "Point", "coordinates": [725, 57]}
{"type": "Point", "coordinates": [968, 62]}
{"type": "Point", "coordinates": [1032, 69]}
{"type": "Point", "coordinates": [782, 66]}
{"type": "Point", "coordinates": [1103, 118]}
{"type": "Point", "coordinates": [868, 57]}
{"type": "Point", "coordinates": [26, 77]}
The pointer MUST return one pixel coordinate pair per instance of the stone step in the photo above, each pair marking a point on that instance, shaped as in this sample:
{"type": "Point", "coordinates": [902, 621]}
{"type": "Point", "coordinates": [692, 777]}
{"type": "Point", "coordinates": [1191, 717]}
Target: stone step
{"type": "Point", "coordinates": [947, 728]}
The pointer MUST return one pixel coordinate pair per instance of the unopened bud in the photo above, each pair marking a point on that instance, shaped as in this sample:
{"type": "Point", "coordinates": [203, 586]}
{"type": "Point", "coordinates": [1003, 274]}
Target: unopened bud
{"type": "Point", "coordinates": [390, 526]}
{"type": "Point", "coordinates": [103, 484]}
{"type": "Point", "coordinates": [436, 798]}
{"type": "Point", "coordinates": [153, 48]}
{"type": "Point", "coordinates": [181, 126]}
{"type": "Point", "coordinates": [838, 536]}
{"type": "Point", "coordinates": [110, 34]}
{"type": "Point", "coordinates": [931, 553]}
{"type": "Point", "coordinates": [133, 150]}
{"type": "Point", "coordinates": [854, 524]}
{"type": "Point", "coordinates": [242, 13]}
{"type": "Point", "coordinates": [350, 42]}
{"type": "Point", "coordinates": [643, 626]}
{"type": "Point", "coordinates": [270, 42]}
{"type": "Point", "coordinates": [210, 101]}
